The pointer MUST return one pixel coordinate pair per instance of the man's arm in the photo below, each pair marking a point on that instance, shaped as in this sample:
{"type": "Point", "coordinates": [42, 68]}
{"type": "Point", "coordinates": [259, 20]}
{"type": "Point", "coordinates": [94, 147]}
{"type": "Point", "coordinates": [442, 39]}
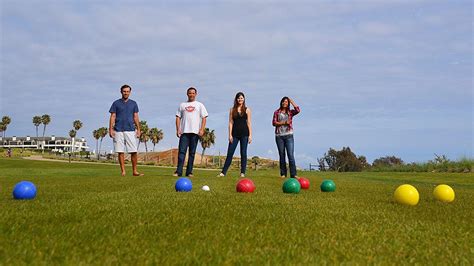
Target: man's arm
{"type": "Point", "coordinates": [111, 125]}
{"type": "Point", "coordinates": [204, 114]}
{"type": "Point", "coordinates": [137, 124]}
{"type": "Point", "coordinates": [178, 127]}
{"type": "Point", "coordinates": [203, 126]}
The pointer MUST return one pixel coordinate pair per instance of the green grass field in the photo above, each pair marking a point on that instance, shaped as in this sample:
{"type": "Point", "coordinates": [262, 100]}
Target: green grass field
{"type": "Point", "coordinates": [88, 214]}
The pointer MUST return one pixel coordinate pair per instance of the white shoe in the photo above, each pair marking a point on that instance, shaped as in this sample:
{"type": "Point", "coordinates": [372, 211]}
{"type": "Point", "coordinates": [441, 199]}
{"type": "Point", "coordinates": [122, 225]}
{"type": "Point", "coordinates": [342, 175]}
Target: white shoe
{"type": "Point", "coordinates": [220, 175]}
{"type": "Point", "coordinates": [242, 175]}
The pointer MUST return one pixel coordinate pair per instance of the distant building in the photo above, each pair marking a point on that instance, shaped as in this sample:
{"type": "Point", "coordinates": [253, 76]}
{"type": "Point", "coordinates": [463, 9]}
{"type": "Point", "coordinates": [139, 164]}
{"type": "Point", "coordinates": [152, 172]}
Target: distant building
{"type": "Point", "coordinates": [61, 144]}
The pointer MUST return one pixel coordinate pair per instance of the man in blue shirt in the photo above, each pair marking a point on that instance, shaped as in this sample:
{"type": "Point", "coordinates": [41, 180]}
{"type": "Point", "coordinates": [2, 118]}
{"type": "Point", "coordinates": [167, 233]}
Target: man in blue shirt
{"type": "Point", "coordinates": [124, 128]}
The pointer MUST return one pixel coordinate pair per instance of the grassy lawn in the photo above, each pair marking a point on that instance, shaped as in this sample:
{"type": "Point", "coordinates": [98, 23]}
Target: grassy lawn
{"type": "Point", "coordinates": [88, 214]}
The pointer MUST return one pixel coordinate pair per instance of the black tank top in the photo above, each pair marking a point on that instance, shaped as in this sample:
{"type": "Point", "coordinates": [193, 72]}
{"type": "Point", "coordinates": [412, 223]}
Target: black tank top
{"type": "Point", "coordinates": [240, 127]}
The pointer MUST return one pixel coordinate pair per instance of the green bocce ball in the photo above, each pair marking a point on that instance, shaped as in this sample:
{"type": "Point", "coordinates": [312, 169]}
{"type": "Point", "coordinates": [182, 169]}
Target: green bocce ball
{"type": "Point", "coordinates": [291, 186]}
{"type": "Point", "coordinates": [328, 186]}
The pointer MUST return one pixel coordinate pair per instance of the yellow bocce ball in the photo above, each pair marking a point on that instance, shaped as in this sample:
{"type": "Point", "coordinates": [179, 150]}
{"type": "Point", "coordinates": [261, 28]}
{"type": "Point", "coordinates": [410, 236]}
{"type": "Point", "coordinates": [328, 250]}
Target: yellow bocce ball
{"type": "Point", "coordinates": [444, 193]}
{"type": "Point", "coordinates": [407, 194]}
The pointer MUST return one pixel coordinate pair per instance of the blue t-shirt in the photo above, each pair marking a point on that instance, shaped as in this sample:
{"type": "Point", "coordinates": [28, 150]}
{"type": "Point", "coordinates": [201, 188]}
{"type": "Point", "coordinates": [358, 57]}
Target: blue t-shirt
{"type": "Point", "coordinates": [124, 114]}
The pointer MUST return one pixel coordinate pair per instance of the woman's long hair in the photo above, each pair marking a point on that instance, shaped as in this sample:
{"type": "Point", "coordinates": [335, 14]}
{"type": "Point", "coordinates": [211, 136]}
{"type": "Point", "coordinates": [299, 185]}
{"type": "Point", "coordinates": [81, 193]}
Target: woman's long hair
{"type": "Point", "coordinates": [235, 109]}
{"type": "Point", "coordinates": [281, 104]}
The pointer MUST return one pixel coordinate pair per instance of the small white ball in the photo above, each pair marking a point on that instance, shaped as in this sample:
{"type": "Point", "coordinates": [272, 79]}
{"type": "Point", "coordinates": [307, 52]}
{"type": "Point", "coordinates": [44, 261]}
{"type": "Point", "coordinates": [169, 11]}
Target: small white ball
{"type": "Point", "coordinates": [206, 188]}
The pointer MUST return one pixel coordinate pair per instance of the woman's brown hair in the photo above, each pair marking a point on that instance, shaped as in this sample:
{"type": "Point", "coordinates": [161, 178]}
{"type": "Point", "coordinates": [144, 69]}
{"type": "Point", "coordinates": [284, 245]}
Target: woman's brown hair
{"type": "Point", "coordinates": [235, 109]}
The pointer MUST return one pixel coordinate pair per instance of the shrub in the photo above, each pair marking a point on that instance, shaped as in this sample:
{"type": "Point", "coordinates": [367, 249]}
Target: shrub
{"type": "Point", "coordinates": [342, 161]}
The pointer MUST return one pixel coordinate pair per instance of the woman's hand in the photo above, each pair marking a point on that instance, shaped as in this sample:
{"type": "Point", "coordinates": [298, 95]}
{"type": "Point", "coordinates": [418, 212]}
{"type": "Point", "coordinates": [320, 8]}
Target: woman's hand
{"type": "Point", "coordinates": [291, 101]}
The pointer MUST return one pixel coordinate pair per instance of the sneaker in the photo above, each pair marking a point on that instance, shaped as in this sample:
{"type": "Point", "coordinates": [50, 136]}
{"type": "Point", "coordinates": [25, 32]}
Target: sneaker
{"type": "Point", "coordinates": [220, 175]}
{"type": "Point", "coordinates": [175, 174]}
{"type": "Point", "coordinates": [282, 177]}
{"type": "Point", "coordinates": [242, 175]}
{"type": "Point", "coordinates": [190, 175]}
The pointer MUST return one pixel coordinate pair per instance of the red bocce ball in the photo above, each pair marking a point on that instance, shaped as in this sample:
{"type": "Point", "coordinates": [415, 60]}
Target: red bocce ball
{"type": "Point", "coordinates": [304, 182]}
{"type": "Point", "coordinates": [245, 185]}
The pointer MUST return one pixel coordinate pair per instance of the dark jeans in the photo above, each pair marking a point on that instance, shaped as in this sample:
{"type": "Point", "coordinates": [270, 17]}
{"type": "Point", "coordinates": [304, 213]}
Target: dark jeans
{"type": "Point", "coordinates": [244, 141]}
{"type": "Point", "coordinates": [286, 143]}
{"type": "Point", "coordinates": [186, 140]}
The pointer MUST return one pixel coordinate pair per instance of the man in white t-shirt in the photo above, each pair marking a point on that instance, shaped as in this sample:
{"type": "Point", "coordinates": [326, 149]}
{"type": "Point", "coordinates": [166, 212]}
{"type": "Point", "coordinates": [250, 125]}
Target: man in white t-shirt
{"type": "Point", "coordinates": [190, 125]}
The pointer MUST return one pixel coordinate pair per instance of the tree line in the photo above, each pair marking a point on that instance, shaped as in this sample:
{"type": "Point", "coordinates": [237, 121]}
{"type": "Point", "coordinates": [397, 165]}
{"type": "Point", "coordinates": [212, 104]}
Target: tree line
{"type": "Point", "coordinates": [147, 134]}
{"type": "Point", "coordinates": [345, 160]}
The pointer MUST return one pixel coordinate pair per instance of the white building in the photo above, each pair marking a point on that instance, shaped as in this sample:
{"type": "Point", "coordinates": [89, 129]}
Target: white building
{"type": "Point", "coordinates": [48, 143]}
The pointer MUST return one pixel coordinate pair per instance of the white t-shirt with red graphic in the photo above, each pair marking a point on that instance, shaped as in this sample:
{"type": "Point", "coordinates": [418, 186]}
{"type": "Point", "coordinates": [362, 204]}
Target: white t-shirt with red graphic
{"type": "Point", "coordinates": [191, 114]}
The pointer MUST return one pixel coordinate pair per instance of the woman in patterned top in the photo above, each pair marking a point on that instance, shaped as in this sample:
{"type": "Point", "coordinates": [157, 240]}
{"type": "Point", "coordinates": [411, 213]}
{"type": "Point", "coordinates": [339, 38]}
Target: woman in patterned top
{"type": "Point", "coordinates": [283, 123]}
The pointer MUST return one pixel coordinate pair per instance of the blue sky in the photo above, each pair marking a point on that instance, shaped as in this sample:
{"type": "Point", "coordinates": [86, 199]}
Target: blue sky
{"type": "Point", "coordinates": [382, 77]}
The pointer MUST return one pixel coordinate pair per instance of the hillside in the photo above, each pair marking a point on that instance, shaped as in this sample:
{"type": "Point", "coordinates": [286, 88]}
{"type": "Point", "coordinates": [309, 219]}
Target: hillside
{"type": "Point", "coordinates": [170, 157]}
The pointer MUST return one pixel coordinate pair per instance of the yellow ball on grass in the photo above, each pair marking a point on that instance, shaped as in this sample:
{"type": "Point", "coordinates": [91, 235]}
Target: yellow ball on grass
{"type": "Point", "coordinates": [407, 195]}
{"type": "Point", "coordinates": [444, 193]}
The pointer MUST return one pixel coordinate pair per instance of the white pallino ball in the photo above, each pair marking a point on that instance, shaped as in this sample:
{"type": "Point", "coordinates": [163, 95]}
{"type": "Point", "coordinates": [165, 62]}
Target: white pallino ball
{"type": "Point", "coordinates": [206, 188]}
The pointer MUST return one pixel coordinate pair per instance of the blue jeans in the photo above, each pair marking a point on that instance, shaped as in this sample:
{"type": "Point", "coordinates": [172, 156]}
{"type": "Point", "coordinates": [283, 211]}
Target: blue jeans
{"type": "Point", "coordinates": [244, 141]}
{"type": "Point", "coordinates": [286, 143]}
{"type": "Point", "coordinates": [187, 140]}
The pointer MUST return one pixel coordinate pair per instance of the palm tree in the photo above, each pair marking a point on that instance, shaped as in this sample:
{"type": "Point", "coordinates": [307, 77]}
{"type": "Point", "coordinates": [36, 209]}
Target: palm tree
{"type": "Point", "coordinates": [155, 136]}
{"type": "Point", "coordinates": [2, 128]}
{"type": "Point", "coordinates": [45, 120]}
{"type": "Point", "coordinates": [5, 121]}
{"type": "Point", "coordinates": [77, 124]}
{"type": "Point", "coordinates": [207, 140]}
{"type": "Point", "coordinates": [102, 133]}
{"type": "Point", "coordinates": [37, 122]}
{"type": "Point", "coordinates": [144, 135]}
{"type": "Point", "coordinates": [96, 135]}
{"type": "Point", "coordinates": [72, 134]}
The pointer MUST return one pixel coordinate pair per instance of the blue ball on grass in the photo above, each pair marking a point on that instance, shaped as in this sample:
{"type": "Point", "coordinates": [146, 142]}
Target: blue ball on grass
{"type": "Point", "coordinates": [24, 190]}
{"type": "Point", "coordinates": [183, 185]}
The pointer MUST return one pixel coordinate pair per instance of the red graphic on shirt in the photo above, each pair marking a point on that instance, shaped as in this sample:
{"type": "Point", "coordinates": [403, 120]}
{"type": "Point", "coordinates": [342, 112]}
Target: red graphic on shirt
{"type": "Point", "coordinates": [190, 108]}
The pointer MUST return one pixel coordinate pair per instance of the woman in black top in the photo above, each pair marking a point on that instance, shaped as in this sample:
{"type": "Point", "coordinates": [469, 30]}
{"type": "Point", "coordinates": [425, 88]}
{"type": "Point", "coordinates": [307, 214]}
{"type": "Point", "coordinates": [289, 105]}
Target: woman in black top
{"type": "Point", "coordinates": [240, 130]}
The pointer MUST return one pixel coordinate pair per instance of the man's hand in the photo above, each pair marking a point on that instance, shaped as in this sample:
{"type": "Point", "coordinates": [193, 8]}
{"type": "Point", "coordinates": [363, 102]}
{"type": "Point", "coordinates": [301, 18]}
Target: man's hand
{"type": "Point", "coordinates": [231, 139]}
{"type": "Point", "coordinates": [112, 133]}
{"type": "Point", "coordinates": [201, 132]}
{"type": "Point", "coordinates": [178, 133]}
{"type": "Point", "coordinates": [250, 139]}
{"type": "Point", "coordinates": [138, 133]}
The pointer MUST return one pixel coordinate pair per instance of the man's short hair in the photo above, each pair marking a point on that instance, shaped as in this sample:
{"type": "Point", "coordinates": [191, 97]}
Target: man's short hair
{"type": "Point", "coordinates": [125, 86]}
{"type": "Point", "coordinates": [191, 88]}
